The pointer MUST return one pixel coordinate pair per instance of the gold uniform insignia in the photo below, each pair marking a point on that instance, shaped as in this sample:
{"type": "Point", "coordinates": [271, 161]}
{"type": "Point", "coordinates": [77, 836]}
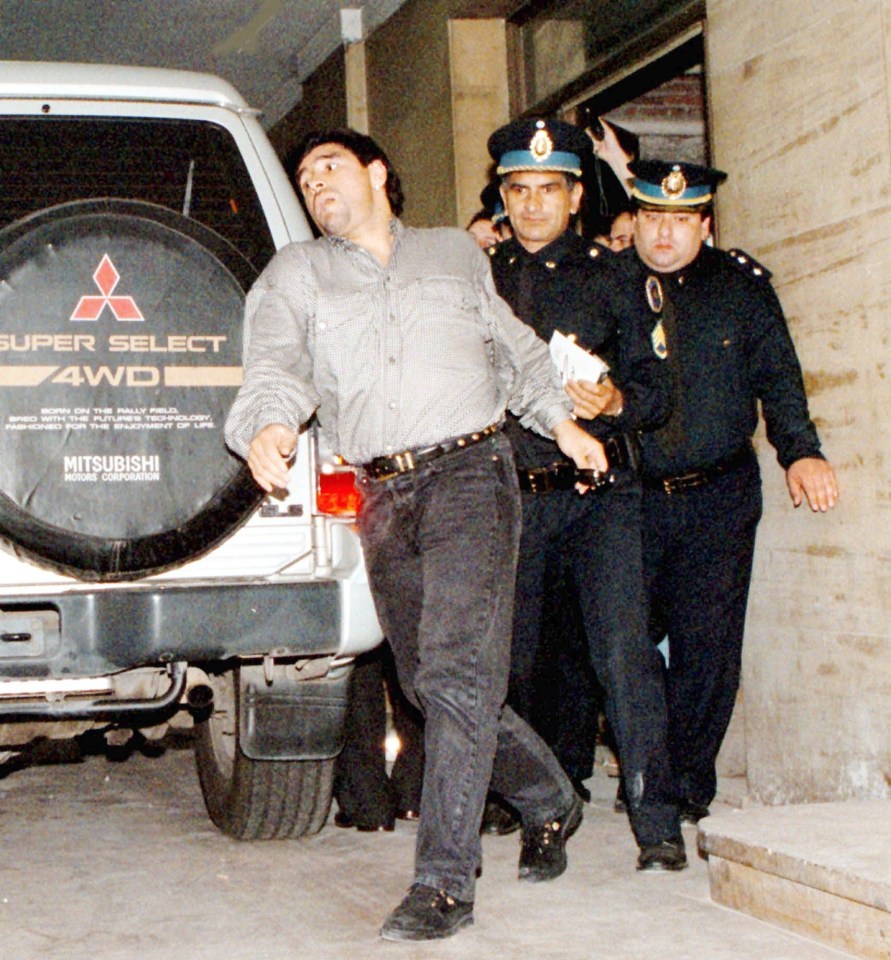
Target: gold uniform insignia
{"type": "Point", "coordinates": [541, 145]}
{"type": "Point", "coordinates": [655, 296]}
{"type": "Point", "coordinates": [656, 300]}
{"type": "Point", "coordinates": [657, 338]}
{"type": "Point", "coordinates": [674, 185]}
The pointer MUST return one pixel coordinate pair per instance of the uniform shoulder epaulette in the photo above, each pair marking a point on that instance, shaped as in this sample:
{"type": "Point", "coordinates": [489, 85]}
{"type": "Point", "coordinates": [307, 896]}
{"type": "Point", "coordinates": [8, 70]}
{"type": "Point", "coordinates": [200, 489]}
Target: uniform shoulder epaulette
{"type": "Point", "coordinates": [748, 264]}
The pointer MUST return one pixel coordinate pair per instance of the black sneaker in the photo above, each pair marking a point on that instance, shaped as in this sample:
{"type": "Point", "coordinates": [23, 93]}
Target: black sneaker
{"type": "Point", "coordinates": [427, 914]}
{"type": "Point", "coordinates": [543, 850]}
{"type": "Point", "coordinates": [668, 855]}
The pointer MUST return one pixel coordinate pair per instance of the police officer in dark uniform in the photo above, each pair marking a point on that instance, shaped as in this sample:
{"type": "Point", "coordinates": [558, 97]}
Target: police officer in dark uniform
{"type": "Point", "coordinates": [556, 281]}
{"type": "Point", "coordinates": [719, 325]}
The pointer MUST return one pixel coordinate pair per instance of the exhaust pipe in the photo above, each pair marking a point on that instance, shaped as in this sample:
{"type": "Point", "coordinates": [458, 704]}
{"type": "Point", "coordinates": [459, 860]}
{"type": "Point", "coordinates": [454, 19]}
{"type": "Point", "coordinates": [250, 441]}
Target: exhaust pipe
{"type": "Point", "coordinates": [199, 701]}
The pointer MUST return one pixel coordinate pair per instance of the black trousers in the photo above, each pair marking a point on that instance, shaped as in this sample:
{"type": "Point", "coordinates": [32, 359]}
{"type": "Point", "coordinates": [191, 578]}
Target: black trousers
{"type": "Point", "coordinates": [566, 703]}
{"type": "Point", "coordinates": [362, 788]}
{"type": "Point", "coordinates": [597, 537]}
{"type": "Point", "coordinates": [698, 550]}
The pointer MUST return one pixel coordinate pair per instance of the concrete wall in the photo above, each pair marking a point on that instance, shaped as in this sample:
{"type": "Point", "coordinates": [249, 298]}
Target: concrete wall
{"type": "Point", "coordinates": [800, 113]}
{"type": "Point", "coordinates": [410, 107]}
{"type": "Point", "coordinates": [429, 87]}
{"type": "Point", "coordinates": [322, 106]}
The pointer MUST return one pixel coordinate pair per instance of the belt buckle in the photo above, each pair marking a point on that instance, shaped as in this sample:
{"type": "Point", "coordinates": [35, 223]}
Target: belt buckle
{"type": "Point", "coordinates": [686, 481]}
{"type": "Point", "coordinates": [404, 461]}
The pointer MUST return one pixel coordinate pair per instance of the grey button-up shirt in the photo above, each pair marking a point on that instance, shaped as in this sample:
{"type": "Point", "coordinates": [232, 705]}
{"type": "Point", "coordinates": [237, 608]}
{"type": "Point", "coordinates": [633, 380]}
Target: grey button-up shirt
{"type": "Point", "coordinates": [392, 357]}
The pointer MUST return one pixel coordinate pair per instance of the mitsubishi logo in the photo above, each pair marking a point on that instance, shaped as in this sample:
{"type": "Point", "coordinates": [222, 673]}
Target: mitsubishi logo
{"type": "Point", "coordinates": [106, 278]}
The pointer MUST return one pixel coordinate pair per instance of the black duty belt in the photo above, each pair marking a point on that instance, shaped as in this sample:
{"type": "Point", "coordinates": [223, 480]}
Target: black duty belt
{"type": "Point", "coordinates": [691, 479]}
{"type": "Point", "coordinates": [382, 468]}
{"type": "Point", "coordinates": [560, 476]}
{"type": "Point", "coordinates": [622, 453]}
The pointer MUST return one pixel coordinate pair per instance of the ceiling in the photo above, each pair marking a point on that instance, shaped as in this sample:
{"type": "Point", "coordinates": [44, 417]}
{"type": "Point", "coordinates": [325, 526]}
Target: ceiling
{"type": "Point", "coordinates": [265, 48]}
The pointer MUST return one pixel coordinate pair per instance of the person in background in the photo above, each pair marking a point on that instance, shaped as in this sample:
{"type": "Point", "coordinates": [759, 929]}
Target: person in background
{"type": "Point", "coordinates": [489, 225]}
{"type": "Point", "coordinates": [605, 179]}
{"type": "Point", "coordinates": [720, 330]}
{"type": "Point", "coordinates": [368, 799]}
{"type": "Point", "coordinates": [621, 231]}
{"type": "Point", "coordinates": [396, 340]}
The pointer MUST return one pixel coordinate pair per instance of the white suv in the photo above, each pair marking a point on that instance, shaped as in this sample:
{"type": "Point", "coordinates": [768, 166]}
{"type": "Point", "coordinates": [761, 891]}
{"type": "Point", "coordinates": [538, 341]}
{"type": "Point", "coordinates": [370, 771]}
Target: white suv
{"type": "Point", "coordinates": [144, 579]}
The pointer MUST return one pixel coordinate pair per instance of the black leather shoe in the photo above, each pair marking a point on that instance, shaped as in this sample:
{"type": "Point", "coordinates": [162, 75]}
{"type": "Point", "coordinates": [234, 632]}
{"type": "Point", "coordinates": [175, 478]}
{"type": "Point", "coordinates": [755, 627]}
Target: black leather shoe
{"type": "Point", "coordinates": [692, 812]}
{"type": "Point", "coordinates": [347, 823]}
{"type": "Point", "coordinates": [581, 789]}
{"type": "Point", "coordinates": [498, 819]}
{"type": "Point", "coordinates": [408, 814]}
{"type": "Point", "coordinates": [668, 855]}
{"type": "Point", "coordinates": [427, 914]}
{"type": "Point", "coordinates": [543, 850]}
{"type": "Point", "coordinates": [619, 804]}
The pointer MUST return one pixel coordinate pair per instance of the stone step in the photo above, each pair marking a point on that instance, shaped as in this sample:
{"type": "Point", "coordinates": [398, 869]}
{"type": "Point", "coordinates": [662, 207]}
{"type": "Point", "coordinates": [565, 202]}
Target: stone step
{"type": "Point", "coordinates": [822, 870]}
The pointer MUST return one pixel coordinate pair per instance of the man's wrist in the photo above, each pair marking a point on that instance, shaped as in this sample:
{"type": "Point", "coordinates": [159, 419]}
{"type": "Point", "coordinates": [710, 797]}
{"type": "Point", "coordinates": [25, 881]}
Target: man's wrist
{"type": "Point", "coordinates": [617, 406]}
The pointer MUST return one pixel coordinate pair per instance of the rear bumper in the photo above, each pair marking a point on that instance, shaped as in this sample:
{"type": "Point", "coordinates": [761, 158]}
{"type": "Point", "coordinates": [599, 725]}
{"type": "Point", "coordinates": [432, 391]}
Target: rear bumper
{"type": "Point", "coordinates": [102, 631]}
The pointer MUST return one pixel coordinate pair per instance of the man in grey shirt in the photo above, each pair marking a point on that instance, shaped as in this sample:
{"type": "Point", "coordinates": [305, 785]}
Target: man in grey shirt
{"type": "Point", "coordinates": [396, 339]}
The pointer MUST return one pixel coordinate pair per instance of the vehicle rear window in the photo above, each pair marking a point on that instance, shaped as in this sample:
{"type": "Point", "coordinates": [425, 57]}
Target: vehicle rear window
{"type": "Point", "coordinates": [194, 168]}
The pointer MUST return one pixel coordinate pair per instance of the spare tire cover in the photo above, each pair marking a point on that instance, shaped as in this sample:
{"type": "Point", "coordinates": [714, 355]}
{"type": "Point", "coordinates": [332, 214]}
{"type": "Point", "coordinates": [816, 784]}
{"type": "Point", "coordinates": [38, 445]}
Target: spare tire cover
{"type": "Point", "coordinates": [120, 354]}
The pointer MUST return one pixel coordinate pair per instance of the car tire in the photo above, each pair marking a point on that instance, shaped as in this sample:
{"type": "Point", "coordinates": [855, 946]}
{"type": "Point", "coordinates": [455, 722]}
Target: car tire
{"type": "Point", "coordinates": [256, 799]}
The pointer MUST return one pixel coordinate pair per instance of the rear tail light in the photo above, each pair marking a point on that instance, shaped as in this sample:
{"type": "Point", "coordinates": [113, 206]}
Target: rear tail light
{"type": "Point", "coordinates": [336, 492]}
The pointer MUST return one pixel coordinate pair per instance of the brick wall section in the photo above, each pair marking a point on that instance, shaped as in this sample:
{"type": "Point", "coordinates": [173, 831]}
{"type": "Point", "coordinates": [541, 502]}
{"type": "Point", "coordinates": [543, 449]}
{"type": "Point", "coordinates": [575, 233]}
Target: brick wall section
{"type": "Point", "coordinates": [669, 120]}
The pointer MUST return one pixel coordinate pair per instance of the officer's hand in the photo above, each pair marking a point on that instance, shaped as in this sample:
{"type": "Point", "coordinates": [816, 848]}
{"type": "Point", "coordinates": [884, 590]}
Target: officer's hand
{"type": "Point", "coordinates": [585, 451]}
{"type": "Point", "coordinates": [814, 479]}
{"type": "Point", "coordinates": [591, 399]}
{"type": "Point", "coordinates": [268, 456]}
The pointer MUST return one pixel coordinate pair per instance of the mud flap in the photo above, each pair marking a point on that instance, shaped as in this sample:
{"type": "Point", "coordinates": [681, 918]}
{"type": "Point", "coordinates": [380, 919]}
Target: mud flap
{"type": "Point", "coordinates": [291, 719]}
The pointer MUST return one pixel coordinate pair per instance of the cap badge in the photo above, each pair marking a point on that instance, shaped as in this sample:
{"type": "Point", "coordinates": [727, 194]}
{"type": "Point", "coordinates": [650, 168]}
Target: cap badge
{"type": "Point", "coordinates": [541, 146]}
{"type": "Point", "coordinates": [655, 297]}
{"type": "Point", "coordinates": [674, 185]}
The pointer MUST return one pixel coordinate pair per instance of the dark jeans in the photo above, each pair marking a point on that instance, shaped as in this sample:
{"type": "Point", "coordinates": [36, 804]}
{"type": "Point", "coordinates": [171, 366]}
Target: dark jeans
{"type": "Point", "coordinates": [698, 550]}
{"type": "Point", "coordinates": [597, 536]}
{"type": "Point", "coordinates": [440, 547]}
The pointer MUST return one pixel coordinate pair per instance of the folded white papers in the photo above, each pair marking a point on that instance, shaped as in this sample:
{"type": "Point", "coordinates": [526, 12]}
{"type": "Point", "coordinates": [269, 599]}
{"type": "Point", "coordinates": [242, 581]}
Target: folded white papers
{"type": "Point", "coordinates": [574, 362]}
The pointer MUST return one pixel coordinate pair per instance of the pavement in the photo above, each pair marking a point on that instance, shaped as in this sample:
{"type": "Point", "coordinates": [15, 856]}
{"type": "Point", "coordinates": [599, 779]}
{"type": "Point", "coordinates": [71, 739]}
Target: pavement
{"type": "Point", "coordinates": [113, 860]}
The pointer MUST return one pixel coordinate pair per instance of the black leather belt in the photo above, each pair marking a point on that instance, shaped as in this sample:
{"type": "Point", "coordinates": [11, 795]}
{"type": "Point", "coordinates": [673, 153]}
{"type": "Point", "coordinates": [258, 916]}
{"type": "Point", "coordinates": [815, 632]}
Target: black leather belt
{"type": "Point", "coordinates": [382, 468]}
{"type": "Point", "coordinates": [622, 453]}
{"type": "Point", "coordinates": [703, 475]}
{"type": "Point", "coordinates": [560, 476]}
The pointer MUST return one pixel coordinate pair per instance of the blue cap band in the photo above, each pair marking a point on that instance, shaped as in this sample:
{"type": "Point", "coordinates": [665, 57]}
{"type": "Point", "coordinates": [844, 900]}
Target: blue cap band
{"type": "Point", "coordinates": [653, 192]}
{"type": "Point", "coordinates": [559, 160]}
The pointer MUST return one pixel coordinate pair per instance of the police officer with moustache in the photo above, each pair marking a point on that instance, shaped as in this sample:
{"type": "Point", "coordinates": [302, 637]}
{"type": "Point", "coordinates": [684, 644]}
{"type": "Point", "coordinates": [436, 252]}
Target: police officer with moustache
{"type": "Point", "coordinates": [720, 327]}
{"type": "Point", "coordinates": [555, 280]}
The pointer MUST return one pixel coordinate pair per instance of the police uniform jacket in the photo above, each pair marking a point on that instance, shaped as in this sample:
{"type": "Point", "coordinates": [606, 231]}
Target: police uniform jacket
{"type": "Point", "coordinates": [573, 286]}
{"type": "Point", "coordinates": [735, 351]}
